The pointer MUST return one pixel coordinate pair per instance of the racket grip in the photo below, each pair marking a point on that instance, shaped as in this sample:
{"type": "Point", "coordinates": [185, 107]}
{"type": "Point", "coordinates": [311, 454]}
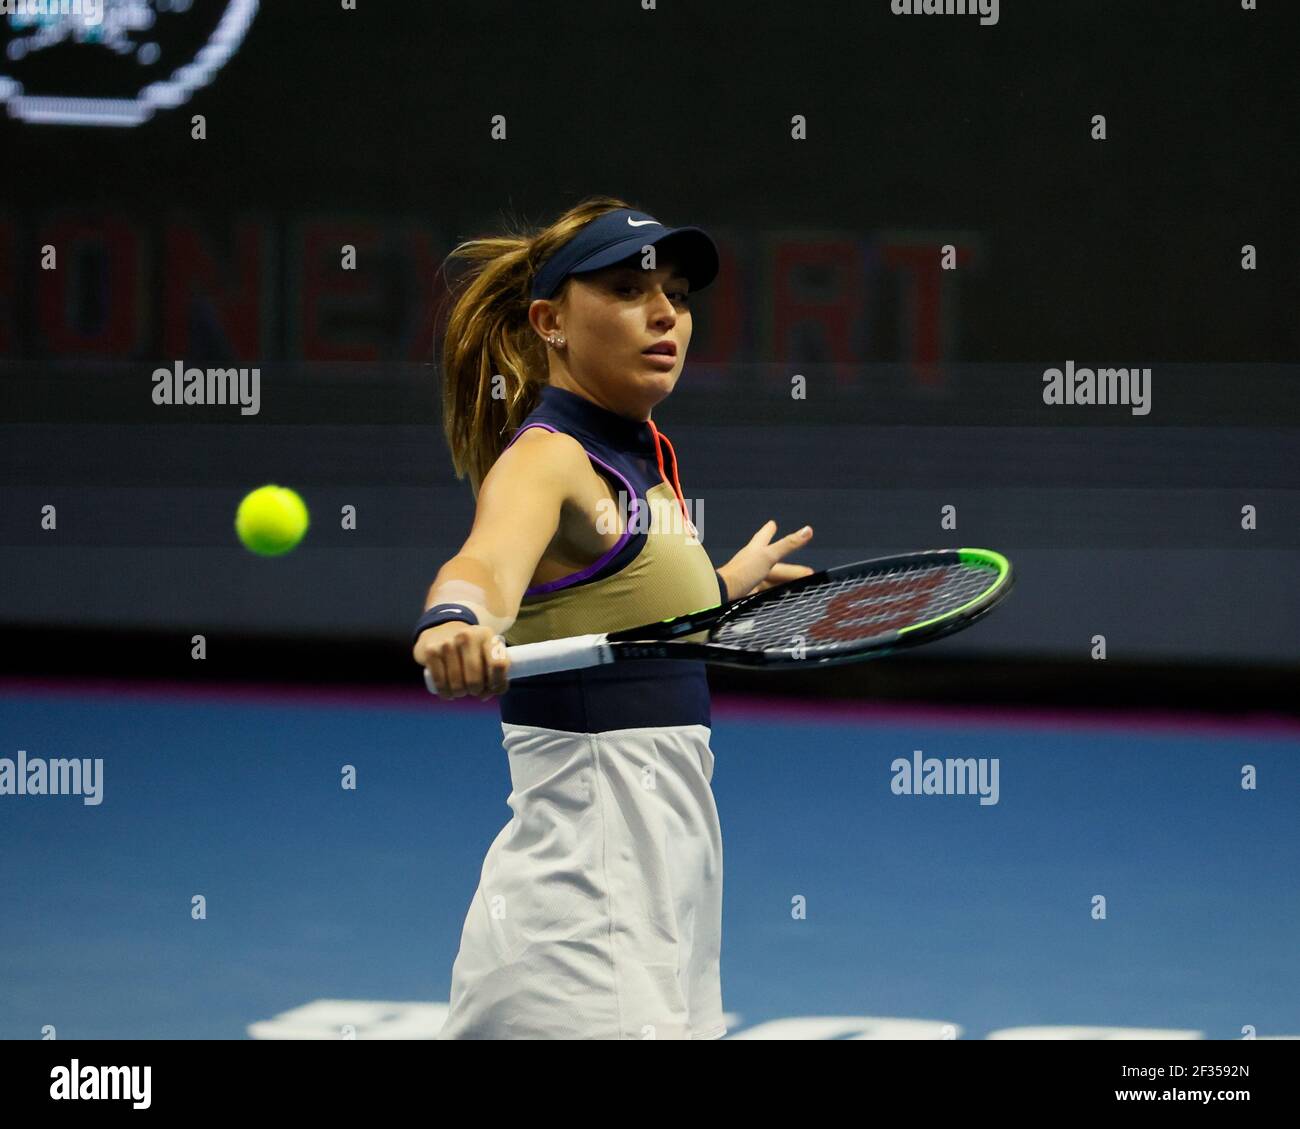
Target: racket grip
{"type": "Point", "coordinates": [551, 655]}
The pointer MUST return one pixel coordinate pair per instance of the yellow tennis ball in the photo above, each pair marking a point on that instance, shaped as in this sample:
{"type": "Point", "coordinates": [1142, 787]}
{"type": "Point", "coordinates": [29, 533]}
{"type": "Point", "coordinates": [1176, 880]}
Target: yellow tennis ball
{"type": "Point", "coordinates": [271, 520]}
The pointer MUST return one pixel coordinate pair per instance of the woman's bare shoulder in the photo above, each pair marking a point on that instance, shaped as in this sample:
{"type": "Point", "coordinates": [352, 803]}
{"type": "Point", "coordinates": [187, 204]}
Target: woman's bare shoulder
{"type": "Point", "coordinates": [539, 453]}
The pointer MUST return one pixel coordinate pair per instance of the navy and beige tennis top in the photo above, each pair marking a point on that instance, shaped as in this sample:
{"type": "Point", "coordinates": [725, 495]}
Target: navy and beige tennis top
{"type": "Point", "coordinates": [657, 569]}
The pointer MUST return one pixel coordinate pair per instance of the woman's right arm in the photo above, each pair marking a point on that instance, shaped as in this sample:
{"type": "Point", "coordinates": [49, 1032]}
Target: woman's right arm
{"type": "Point", "coordinates": [518, 513]}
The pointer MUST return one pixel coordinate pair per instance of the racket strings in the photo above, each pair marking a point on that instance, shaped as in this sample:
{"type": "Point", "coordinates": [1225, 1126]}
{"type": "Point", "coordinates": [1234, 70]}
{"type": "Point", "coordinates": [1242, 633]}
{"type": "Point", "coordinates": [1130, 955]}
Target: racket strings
{"type": "Point", "coordinates": [851, 610]}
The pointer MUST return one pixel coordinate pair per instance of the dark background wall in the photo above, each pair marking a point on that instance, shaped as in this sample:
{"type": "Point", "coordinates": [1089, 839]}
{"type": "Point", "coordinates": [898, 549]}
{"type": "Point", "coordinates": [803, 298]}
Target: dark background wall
{"type": "Point", "coordinates": [924, 387]}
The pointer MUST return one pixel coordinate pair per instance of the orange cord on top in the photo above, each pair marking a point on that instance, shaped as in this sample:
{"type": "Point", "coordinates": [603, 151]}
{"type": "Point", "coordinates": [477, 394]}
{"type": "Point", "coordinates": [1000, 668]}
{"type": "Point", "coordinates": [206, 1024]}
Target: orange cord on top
{"type": "Point", "coordinates": [676, 483]}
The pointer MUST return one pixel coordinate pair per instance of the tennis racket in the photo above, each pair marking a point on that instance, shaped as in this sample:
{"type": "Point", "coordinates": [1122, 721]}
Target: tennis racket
{"type": "Point", "coordinates": [840, 615]}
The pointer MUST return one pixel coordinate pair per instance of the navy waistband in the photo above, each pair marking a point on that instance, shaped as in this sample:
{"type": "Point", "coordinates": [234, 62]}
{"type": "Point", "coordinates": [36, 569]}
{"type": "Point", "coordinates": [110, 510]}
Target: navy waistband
{"type": "Point", "coordinates": [630, 695]}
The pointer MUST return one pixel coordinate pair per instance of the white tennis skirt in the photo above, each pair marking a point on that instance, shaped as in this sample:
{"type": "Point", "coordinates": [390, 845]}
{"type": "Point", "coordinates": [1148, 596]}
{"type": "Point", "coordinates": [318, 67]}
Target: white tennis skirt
{"type": "Point", "coordinates": [598, 913]}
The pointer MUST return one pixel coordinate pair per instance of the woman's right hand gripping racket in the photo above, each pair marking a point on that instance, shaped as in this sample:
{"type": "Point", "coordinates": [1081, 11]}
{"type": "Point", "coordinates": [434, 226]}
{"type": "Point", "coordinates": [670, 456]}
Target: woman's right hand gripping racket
{"type": "Point", "coordinates": [840, 615]}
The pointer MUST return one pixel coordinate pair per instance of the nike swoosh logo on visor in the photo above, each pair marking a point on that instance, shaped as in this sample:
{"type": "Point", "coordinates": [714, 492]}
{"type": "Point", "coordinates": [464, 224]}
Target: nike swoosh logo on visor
{"type": "Point", "coordinates": [641, 223]}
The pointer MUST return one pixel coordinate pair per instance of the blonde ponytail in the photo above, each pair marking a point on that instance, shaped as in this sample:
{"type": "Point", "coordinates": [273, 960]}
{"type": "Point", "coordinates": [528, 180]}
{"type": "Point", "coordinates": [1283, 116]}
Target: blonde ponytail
{"type": "Point", "coordinates": [488, 335]}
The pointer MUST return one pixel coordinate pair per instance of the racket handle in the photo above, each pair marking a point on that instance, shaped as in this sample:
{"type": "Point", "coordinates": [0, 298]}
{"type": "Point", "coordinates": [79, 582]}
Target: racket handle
{"type": "Point", "coordinates": [550, 656]}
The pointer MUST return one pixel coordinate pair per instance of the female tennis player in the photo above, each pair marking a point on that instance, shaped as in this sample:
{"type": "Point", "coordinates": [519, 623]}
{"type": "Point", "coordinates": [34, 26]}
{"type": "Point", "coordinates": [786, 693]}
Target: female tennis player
{"type": "Point", "coordinates": [599, 908]}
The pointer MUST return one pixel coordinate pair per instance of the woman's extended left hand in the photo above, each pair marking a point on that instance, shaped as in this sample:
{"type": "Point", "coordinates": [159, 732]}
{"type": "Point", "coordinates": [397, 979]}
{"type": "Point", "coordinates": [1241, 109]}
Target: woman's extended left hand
{"type": "Point", "coordinates": [758, 565]}
{"type": "Point", "coordinates": [780, 574]}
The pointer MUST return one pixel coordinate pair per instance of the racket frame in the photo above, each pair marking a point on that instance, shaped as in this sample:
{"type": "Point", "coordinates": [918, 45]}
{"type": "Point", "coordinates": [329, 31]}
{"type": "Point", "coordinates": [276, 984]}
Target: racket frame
{"type": "Point", "coordinates": [662, 640]}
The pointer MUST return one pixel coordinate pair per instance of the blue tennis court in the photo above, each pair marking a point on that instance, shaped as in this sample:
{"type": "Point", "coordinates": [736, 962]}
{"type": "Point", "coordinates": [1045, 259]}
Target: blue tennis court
{"type": "Point", "coordinates": [321, 902]}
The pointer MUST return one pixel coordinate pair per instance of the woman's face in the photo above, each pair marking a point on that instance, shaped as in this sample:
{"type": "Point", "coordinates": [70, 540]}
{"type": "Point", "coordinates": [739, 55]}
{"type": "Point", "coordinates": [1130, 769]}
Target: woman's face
{"type": "Point", "coordinates": [610, 318]}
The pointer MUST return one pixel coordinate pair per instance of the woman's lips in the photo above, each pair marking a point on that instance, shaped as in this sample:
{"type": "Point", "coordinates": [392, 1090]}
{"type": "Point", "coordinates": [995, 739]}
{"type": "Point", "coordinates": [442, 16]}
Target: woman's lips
{"type": "Point", "coordinates": [661, 361]}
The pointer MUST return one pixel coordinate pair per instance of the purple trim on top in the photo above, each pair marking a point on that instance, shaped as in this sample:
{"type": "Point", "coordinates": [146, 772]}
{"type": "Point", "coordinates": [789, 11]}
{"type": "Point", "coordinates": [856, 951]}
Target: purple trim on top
{"type": "Point", "coordinates": [518, 433]}
{"type": "Point", "coordinates": [575, 577]}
